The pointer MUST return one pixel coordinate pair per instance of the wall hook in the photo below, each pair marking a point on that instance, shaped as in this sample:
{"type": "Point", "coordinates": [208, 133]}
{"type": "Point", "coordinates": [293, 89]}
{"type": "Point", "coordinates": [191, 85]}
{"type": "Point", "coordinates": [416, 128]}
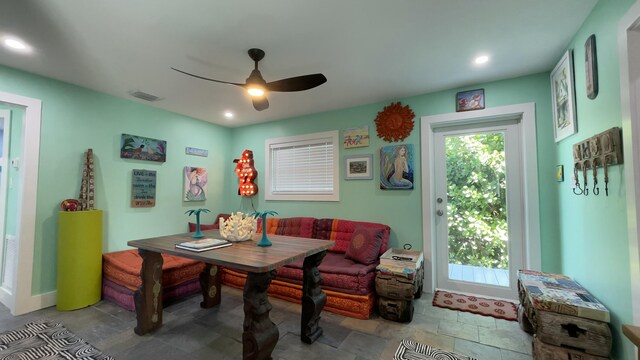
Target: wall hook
{"type": "Point", "coordinates": [594, 165]}
{"type": "Point", "coordinates": [585, 192]}
{"type": "Point", "coordinates": [576, 180]}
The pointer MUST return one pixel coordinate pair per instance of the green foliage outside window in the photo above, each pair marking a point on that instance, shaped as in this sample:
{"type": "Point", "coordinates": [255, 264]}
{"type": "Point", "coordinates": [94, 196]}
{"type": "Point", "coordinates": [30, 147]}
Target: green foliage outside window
{"type": "Point", "coordinates": [476, 190]}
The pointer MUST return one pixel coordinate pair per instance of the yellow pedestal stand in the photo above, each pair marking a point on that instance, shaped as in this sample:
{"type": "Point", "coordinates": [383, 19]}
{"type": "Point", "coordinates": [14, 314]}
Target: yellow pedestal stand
{"type": "Point", "coordinates": [79, 259]}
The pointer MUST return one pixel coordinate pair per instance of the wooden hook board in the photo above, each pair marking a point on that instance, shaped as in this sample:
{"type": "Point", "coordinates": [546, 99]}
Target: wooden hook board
{"type": "Point", "coordinates": [598, 149]}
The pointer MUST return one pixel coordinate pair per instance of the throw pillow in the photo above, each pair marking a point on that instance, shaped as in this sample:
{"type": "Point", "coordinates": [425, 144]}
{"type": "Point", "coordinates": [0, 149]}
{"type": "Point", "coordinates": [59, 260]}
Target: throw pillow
{"type": "Point", "coordinates": [365, 244]}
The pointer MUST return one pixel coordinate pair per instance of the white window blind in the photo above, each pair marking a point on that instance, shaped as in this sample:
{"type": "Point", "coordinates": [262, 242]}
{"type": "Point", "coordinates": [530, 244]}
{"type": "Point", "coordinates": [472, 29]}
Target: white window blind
{"type": "Point", "coordinates": [303, 167]}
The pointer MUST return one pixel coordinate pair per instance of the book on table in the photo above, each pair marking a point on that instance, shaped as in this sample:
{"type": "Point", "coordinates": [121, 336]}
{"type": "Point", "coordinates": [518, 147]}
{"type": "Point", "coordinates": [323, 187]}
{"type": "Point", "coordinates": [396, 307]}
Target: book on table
{"type": "Point", "coordinates": [203, 244]}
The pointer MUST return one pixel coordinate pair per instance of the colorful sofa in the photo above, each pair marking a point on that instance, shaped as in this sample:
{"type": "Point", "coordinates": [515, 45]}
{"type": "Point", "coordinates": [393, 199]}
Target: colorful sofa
{"type": "Point", "coordinates": [348, 279]}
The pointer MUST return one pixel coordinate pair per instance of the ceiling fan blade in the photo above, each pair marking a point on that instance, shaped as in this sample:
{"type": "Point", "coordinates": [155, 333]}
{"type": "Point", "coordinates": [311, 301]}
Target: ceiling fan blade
{"type": "Point", "coordinates": [298, 83]}
{"type": "Point", "coordinates": [204, 78]}
{"type": "Point", "coordinates": [260, 103]}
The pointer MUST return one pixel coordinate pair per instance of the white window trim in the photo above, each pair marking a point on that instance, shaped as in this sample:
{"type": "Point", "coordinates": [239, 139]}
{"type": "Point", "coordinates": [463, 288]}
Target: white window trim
{"type": "Point", "coordinates": [334, 196]}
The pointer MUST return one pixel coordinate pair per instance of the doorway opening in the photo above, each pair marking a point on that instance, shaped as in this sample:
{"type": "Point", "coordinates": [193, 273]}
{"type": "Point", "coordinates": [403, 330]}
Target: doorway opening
{"type": "Point", "coordinates": [480, 199]}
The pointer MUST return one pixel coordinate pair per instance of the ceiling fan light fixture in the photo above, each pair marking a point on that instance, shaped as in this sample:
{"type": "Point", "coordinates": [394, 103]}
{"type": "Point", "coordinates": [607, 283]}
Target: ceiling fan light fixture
{"type": "Point", "coordinates": [255, 91]}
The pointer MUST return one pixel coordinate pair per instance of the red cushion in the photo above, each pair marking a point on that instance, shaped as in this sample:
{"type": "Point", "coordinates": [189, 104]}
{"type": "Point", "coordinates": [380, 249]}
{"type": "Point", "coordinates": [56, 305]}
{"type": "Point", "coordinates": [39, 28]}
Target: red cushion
{"type": "Point", "coordinates": [365, 244]}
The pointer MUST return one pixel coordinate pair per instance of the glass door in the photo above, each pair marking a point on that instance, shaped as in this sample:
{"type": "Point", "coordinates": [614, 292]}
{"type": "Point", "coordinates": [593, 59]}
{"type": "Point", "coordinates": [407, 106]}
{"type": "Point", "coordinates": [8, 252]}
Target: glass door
{"type": "Point", "coordinates": [478, 182]}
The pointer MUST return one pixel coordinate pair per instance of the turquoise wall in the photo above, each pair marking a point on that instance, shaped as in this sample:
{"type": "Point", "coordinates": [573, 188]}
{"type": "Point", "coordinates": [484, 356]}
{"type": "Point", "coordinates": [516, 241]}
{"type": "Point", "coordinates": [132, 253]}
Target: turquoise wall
{"type": "Point", "coordinates": [402, 209]}
{"type": "Point", "coordinates": [75, 119]}
{"type": "Point", "coordinates": [593, 229]}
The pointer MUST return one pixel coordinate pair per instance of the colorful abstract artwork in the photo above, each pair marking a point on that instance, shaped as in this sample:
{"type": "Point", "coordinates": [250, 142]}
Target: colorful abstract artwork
{"type": "Point", "coordinates": [142, 148]}
{"type": "Point", "coordinates": [396, 167]}
{"type": "Point", "coordinates": [357, 137]}
{"type": "Point", "coordinates": [195, 184]}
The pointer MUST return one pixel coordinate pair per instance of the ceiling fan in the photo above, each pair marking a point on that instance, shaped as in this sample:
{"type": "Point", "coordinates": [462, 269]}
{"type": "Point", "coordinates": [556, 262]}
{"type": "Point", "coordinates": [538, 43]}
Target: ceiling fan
{"type": "Point", "coordinates": [257, 87]}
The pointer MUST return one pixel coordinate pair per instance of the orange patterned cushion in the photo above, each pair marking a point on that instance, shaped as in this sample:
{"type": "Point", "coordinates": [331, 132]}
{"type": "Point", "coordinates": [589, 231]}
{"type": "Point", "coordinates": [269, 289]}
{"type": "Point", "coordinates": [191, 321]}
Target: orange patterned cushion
{"type": "Point", "coordinates": [123, 268]}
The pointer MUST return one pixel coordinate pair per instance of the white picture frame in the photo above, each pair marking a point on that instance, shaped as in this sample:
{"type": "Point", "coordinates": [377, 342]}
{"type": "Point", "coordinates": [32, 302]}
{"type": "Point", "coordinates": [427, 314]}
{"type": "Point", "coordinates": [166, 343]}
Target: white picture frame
{"type": "Point", "coordinates": [563, 100]}
{"type": "Point", "coordinates": [358, 167]}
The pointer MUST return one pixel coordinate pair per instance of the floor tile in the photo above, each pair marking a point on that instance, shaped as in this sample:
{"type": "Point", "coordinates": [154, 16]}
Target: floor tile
{"type": "Point", "coordinates": [477, 350]}
{"type": "Point", "coordinates": [458, 330]}
{"type": "Point", "coordinates": [363, 345]}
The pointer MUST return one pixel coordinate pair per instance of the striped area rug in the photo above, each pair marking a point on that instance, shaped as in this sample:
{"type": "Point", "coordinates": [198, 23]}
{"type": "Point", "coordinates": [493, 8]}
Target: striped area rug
{"type": "Point", "coordinates": [411, 350]}
{"type": "Point", "coordinates": [500, 309]}
{"type": "Point", "coordinates": [46, 339]}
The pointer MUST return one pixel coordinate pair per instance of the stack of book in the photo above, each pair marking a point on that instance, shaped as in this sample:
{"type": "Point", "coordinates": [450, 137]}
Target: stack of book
{"type": "Point", "coordinates": [203, 244]}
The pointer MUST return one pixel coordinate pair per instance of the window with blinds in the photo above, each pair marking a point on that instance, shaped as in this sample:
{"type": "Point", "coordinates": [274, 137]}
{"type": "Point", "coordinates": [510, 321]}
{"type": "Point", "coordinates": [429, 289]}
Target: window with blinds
{"type": "Point", "coordinates": [303, 167]}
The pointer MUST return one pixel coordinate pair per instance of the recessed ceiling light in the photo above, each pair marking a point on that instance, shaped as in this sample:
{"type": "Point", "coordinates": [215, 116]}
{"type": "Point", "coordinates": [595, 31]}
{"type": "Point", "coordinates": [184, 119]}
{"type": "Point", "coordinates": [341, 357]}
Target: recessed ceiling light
{"type": "Point", "coordinates": [228, 114]}
{"type": "Point", "coordinates": [482, 59]}
{"type": "Point", "coordinates": [16, 44]}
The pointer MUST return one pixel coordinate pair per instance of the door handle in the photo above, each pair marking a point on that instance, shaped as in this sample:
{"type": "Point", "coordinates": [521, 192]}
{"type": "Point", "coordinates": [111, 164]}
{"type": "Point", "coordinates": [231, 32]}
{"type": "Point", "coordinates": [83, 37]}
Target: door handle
{"type": "Point", "coordinates": [440, 212]}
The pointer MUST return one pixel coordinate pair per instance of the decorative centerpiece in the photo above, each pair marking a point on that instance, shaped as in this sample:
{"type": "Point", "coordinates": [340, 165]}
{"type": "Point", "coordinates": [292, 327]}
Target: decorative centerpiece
{"type": "Point", "coordinates": [263, 214]}
{"type": "Point", "coordinates": [197, 212]}
{"type": "Point", "coordinates": [238, 227]}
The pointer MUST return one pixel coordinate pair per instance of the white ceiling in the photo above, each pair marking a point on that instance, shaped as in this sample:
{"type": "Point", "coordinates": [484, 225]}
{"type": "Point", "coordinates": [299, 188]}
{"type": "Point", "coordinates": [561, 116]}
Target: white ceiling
{"type": "Point", "coordinates": [369, 50]}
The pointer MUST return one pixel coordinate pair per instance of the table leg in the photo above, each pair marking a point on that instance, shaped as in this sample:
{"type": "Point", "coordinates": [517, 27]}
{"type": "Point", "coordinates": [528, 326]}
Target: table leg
{"type": "Point", "coordinates": [148, 298]}
{"type": "Point", "coordinates": [313, 298]}
{"type": "Point", "coordinates": [260, 333]}
{"type": "Point", "coordinates": [210, 284]}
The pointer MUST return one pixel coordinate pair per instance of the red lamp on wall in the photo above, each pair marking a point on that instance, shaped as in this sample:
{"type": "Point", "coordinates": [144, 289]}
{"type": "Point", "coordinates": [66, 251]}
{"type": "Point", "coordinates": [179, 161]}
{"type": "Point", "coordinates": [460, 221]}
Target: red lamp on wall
{"type": "Point", "coordinates": [247, 174]}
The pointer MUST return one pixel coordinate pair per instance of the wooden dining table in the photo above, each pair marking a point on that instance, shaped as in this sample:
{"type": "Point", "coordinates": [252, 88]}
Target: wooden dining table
{"type": "Point", "coordinates": [260, 334]}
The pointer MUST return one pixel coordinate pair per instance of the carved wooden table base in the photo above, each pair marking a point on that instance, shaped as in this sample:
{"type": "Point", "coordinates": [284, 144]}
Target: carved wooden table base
{"type": "Point", "coordinates": [148, 298]}
{"type": "Point", "coordinates": [210, 284]}
{"type": "Point", "coordinates": [313, 299]}
{"type": "Point", "coordinates": [260, 333]}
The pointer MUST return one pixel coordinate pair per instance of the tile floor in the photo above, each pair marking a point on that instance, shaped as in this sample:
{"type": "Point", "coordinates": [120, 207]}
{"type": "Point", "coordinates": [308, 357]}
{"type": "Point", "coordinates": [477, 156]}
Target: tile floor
{"type": "Point", "coordinates": [190, 332]}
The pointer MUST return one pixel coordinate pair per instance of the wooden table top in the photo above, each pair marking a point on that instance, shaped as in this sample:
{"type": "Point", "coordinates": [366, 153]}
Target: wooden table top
{"type": "Point", "coordinates": [245, 255]}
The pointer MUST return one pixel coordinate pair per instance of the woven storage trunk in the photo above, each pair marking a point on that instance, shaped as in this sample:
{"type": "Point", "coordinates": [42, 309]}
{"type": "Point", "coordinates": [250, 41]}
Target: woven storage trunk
{"type": "Point", "coordinates": [395, 310]}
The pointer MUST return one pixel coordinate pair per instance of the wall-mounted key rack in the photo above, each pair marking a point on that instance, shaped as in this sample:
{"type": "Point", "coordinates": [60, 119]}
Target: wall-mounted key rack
{"type": "Point", "coordinates": [602, 150]}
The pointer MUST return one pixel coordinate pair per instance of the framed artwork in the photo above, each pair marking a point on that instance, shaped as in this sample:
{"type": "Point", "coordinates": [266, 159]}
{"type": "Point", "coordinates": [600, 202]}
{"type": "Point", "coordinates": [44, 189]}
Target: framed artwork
{"type": "Point", "coordinates": [142, 148]}
{"type": "Point", "coordinates": [357, 137]}
{"type": "Point", "coordinates": [563, 98]}
{"type": "Point", "coordinates": [591, 66]}
{"type": "Point", "coordinates": [560, 173]}
{"type": "Point", "coordinates": [470, 100]}
{"type": "Point", "coordinates": [143, 188]}
{"type": "Point", "coordinates": [396, 167]}
{"type": "Point", "coordinates": [195, 184]}
{"type": "Point", "coordinates": [358, 167]}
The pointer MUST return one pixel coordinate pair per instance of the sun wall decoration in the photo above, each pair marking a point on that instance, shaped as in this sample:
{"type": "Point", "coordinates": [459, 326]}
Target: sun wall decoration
{"type": "Point", "coordinates": [394, 122]}
{"type": "Point", "coordinates": [247, 174]}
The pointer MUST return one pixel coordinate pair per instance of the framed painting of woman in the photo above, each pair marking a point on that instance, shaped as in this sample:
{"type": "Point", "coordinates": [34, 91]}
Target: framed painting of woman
{"type": "Point", "coordinates": [396, 167]}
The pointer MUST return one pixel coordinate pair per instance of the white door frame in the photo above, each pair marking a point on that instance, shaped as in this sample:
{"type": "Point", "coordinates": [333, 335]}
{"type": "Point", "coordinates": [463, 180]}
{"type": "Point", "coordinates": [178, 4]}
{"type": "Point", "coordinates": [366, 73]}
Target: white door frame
{"type": "Point", "coordinates": [23, 301]}
{"type": "Point", "coordinates": [527, 115]}
{"type": "Point", "coordinates": [629, 48]}
{"type": "Point", "coordinates": [514, 206]}
{"type": "Point", "coordinates": [5, 296]}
